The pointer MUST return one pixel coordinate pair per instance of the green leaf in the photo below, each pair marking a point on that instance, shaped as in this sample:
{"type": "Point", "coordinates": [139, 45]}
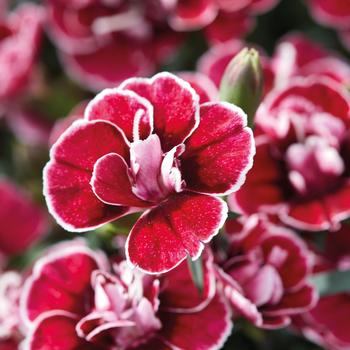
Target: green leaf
{"type": "Point", "coordinates": [333, 282]}
{"type": "Point", "coordinates": [196, 268]}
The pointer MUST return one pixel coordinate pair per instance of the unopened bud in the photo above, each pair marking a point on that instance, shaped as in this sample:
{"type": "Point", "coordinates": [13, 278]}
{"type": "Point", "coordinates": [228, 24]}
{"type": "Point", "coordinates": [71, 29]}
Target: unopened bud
{"type": "Point", "coordinates": [242, 82]}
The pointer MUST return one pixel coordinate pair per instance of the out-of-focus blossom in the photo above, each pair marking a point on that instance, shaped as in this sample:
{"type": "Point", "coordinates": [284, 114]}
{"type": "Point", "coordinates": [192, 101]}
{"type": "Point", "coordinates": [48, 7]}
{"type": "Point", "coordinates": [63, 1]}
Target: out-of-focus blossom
{"type": "Point", "coordinates": [296, 55]}
{"type": "Point", "coordinates": [328, 323]}
{"type": "Point", "coordinates": [333, 13]}
{"type": "Point", "coordinates": [10, 321]}
{"type": "Point", "coordinates": [73, 300]}
{"type": "Point", "coordinates": [22, 221]}
{"type": "Point", "coordinates": [301, 169]}
{"type": "Point", "coordinates": [264, 272]}
{"type": "Point", "coordinates": [20, 34]}
{"type": "Point", "coordinates": [105, 42]}
{"type": "Point", "coordinates": [149, 145]}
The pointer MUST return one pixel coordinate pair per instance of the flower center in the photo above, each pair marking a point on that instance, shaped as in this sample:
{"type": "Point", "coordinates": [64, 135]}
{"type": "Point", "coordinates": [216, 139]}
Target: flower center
{"type": "Point", "coordinates": [154, 173]}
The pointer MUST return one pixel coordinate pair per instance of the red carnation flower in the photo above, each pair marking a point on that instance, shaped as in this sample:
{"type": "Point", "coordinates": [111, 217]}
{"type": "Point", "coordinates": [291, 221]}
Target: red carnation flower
{"type": "Point", "coordinates": [328, 323]}
{"type": "Point", "coordinates": [20, 34]}
{"type": "Point", "coordinates": [301, 166]}
{"type": "Point", "coordinates": [149, 144]}
{"type": "Point", "coordinates": [22, 221]}
{"type": "Point", "coordinates": [264, 273]}
{"type": "Point", "coordinates": [74, 300]}
{"type": "Point", "coordinates": [96, 37]}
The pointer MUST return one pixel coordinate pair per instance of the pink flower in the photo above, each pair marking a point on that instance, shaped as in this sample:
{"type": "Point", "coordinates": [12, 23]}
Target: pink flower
{"type": "Point", "coordinates": [22, 221]}
{"type": "Point", "coordinates": [264, 273]}
{"type": "Point", "coordinates": [300, 170]}
{"type": "Point", "coordinates": [20, 34]}
{"type": "Point", "coordinates": [73, 300]}
{"type": "Point", "coordinates": [149, 145]}
{"type": "Point", "coordinates": [328, 323]}
{"type": "Point", "coordinates": [96, 37]}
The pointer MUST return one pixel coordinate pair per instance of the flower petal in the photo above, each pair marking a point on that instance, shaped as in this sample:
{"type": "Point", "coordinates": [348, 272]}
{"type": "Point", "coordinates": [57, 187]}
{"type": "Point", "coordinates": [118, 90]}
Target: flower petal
{"type": "Point", "coordinates": [111, 182]}
{"type": "Point", "coordinates": [67, 176]}
{"type": "Point", "coordinates": [60, 281]}
{"type": "Point", "coordinates": [165, 235]}
{"type": "Point", "coordinates": [125, 109]}
{"type": "Point", "coordinates": [175, 106]}
{"type": "Point", "coordinates": [187, 298]}
{"type": "Point", "coordinates": [185, 331]}
{"type": "Point", "coordinates": [107, 66]}
{"type": "Point", "coordinates": [56, 331]}
{"type": "Point", "coordinates": [220, 151]}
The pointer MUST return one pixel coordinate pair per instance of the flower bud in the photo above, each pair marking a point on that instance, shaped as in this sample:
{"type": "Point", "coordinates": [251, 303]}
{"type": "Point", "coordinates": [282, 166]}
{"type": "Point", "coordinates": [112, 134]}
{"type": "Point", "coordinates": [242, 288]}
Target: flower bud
{"type": "Point", "coordinates": [242, 82]}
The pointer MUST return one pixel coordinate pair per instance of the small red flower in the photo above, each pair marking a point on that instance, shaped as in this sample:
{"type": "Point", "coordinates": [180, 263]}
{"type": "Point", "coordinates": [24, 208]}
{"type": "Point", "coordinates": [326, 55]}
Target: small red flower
{"type": "Point", "coordinates": [75, 300]}
{"type": "Point", "coordinates": [264, 273]}
{"type": "Point", "coordinates": [149, 144]}
{"type": "Point", "coordinates": [20, 34]}
{"type": "Point", "coordinates": [22, 221]}
{"type": "Point", "coordinates": [301, 166]}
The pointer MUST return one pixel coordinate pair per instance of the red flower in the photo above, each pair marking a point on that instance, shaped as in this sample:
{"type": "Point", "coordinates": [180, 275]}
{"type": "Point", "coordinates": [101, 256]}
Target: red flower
{"type": "Point", "coordinates": [22, 221]}
{"type": "Point", "coordinates": [328, 323]}
{"type": "Point", "coordinates": [73, 300]}
{"type": "Point", "coordinates": [301, 166]}
{"type": "Point", "coordinates": [20, 34]}
{"type": "Point", "coordinates": [149, 144]}
{"type": "Point", "coordinates": [264, 274]}
{"type": "Point", "coordinates": [296, 55]}
{"type": "Point", "coordinates": [96, 37]}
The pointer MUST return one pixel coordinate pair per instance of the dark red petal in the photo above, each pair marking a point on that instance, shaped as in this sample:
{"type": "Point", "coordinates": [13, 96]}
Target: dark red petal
{"type": "Point", "coordinates": [111, 182]}
{"type": "Point", "coordinates": [193, 14]}
{"type": "Point", "coordinates": [207, 329]}
{"type": "Point", "coordinates": [276, 322]}
{"type": "Point", "coordinates": [67, 176]}
{"type": "Point", "coordinates": [60, 281]}
{"type": "Point", "coordinates": [22, 221]}
{"type": "Point", "coordinates": [107, 66]}
{"type": "Point", "coordinates": [262, 184]}
{"type": "Point", "coordinates": [175, 106]}
{"type": "Point", "coordinates": [220, 151]}
{"type": "Point", "coordinates": [311, 216]}
{"type": "Point", "coordinates": [178, 227]}
{"type": "Point", "coordinates": [56, 331]}
{"type": "Point", "coordinates": [128, 111]}
{"type": "Point", "coordinates": [204, 87]}
{"type": "Point", "coordinates": [332, 315]}
{"type": "Point", "coordinates": [187, 298]}
{"type": "Point", "coordinates": [294, 303]}
{"type": "Point", "coordinates": [335, 13]}
{"type": "Point", "coordinates": [227, 26]}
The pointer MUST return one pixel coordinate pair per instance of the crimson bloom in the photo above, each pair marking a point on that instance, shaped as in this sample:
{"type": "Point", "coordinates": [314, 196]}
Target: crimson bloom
{"type": "Point", "coordinates": [301, 166]}
{"type": "Point", "coordinates": [328, 323]}
{"type": "Point", "coordinates": [20, 34]}
{"type": "Point", "coordinates": [149, 144]}
{"type": "Point", "coordinates": [74, 300]}
{"type": "Point", "coordinates": [94, 37]}
{"type": "Point", "coordinates": [22, 221]}
{"type": "Point", "coordinates": [264, 273]}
